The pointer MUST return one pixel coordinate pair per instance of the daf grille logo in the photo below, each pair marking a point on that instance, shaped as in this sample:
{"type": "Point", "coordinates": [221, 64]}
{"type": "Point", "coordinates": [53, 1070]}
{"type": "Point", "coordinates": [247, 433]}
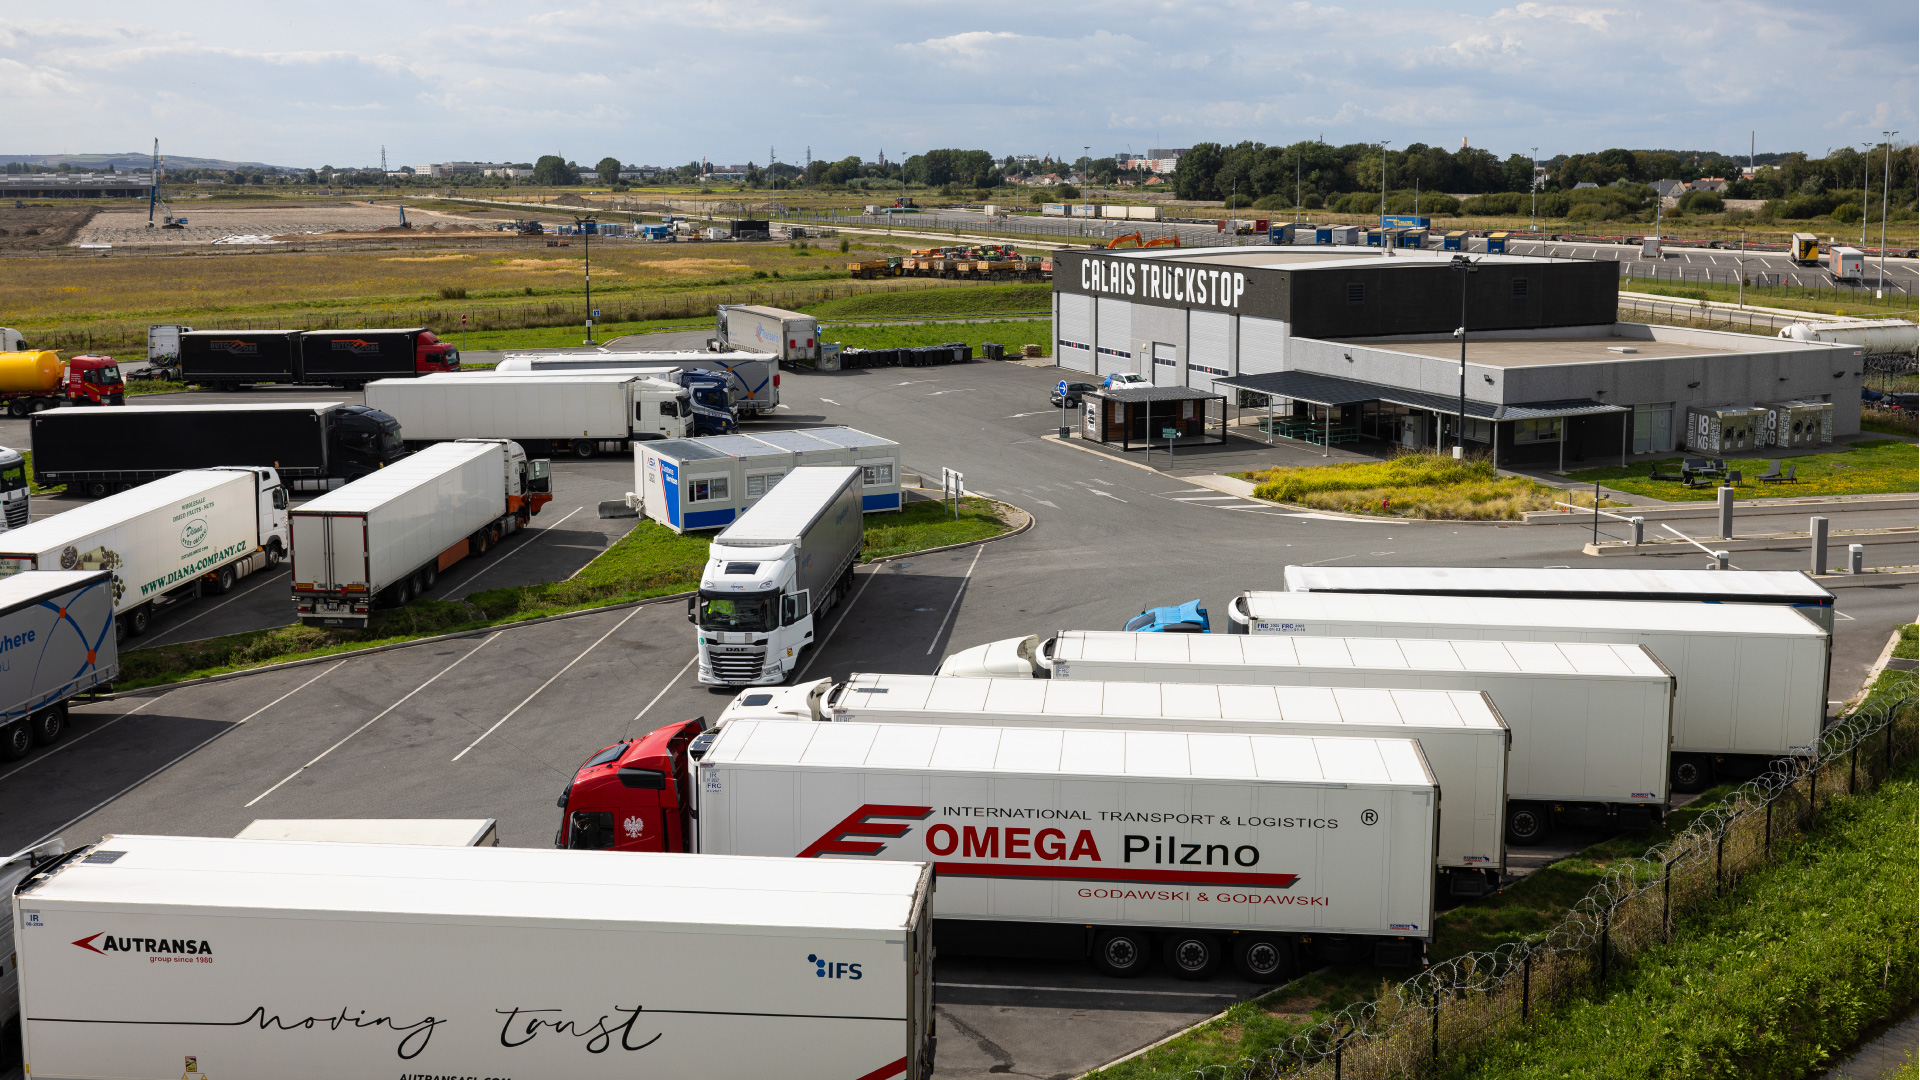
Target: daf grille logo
{"type": "Point", "coordinates": [193, 533]}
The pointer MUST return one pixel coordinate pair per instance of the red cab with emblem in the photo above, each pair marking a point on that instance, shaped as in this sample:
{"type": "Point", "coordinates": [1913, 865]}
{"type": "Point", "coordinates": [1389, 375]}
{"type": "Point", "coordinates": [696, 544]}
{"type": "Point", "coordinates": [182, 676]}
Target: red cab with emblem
{"type": "Point", "coordinates": [633, 795]}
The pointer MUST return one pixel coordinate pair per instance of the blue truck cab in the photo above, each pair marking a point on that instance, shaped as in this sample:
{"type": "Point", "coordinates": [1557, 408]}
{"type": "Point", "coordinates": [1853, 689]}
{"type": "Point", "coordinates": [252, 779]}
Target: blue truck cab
{"type": "Point", "coordinates": [712, 412]}
{"type": "Point", "coordinates": [1187, 618]}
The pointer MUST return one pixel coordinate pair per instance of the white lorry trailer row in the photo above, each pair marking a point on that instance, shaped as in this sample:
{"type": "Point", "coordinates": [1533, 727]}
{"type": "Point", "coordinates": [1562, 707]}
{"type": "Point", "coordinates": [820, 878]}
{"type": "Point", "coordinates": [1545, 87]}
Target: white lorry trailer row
{"type": "Point", "coordinates": [1461, 732]}
{"type": "Point", "coordinates": [1590, 724]}
{"type": "Point", "coordinates": [1750, 679]}
{"type": "Point", "coordinates": [1789, 588]}
{"type": "Point", "coordinates": [386, 538]}
{"type": "Point", "coordinates": [164, 540]}
{"type": "Point", "coordinates": [56, 642]}
{"type": "Point", "coordinates": [273, 958]}
{"type": "Point", "coordinates": [753, 378]}
{"type": "Point", "coordinates": [773, 574]}
{"type": "Point", "coordinates": [582, 414]}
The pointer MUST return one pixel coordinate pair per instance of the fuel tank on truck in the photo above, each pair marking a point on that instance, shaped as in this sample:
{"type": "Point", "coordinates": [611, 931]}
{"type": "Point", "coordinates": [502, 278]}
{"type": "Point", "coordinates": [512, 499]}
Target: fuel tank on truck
{"type": "Point", "coordinates": [38, 370]}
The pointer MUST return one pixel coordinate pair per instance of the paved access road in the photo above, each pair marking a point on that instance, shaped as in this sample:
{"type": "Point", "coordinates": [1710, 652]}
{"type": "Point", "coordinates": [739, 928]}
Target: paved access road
{"type": "Point", "coordinates": [493, 725]}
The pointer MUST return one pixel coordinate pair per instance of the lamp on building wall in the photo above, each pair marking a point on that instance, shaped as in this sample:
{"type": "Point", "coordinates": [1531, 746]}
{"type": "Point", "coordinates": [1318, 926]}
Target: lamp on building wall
{"type": "Point", "coordinates": [1693, 386]}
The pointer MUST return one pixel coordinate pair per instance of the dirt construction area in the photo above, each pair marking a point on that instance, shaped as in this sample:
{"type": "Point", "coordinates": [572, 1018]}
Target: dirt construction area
{"type": "Point", "coordinates": [250, 226]}
{"type": "Point", "coordinates": [41, 226]}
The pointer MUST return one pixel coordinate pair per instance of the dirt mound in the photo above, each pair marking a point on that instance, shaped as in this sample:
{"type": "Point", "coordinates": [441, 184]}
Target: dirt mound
{"type": "Point", "coordinates": [42, 226]}
{"type": "Point", "coordinates": [570, 199]}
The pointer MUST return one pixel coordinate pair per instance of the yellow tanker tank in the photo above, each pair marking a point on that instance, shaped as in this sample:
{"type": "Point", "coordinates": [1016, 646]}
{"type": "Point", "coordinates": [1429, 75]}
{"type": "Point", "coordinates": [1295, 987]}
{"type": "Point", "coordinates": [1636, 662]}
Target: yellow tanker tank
{"type": "Point", "coordinates": [35, 371]}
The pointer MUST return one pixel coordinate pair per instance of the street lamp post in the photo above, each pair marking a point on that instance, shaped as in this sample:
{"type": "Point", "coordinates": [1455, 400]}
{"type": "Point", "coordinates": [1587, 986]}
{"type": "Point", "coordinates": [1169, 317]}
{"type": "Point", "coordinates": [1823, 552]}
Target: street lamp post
{"type": "Point", "coordinates": [1385, 251]}
{"type": "Point", "coordinates": [581, 223]}
{"type": "Point", "coordinates": [1466, 267]}
{"type": "Point", "coordinates": [1743, 265]}
{"type": "Point", "coordinates": [1885, 186]}
{"type": "Point", "coordinates": [1533, 186]}
{"type": "Point", "coordinates": [1866, 174]}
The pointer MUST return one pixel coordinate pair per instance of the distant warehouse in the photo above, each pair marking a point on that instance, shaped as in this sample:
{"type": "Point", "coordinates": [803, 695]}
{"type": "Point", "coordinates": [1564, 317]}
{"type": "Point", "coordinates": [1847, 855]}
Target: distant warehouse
{"type": "Point", "coordinates": [1356, 347]}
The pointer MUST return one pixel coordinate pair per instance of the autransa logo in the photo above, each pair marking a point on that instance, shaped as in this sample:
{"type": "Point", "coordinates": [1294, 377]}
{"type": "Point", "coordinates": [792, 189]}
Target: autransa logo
{"type": "Point", "coordinates": [357, 346]}
{"type": "Point", "coordinates": [828, 969]}
{"type": "Point", "coordinates": [104, 943]}
{"type": "Point", "coordinates": [234, 347]}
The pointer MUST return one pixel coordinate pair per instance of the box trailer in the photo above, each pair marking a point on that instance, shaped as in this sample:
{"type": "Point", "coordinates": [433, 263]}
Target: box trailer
{"type": "Point", "coordinates": [1100, 844]}
{"type": "Point", "coordinates": [162, 542]}
{"type": "Point", "coordinates": [1591, 723]}
{"type": "Point", "coordinates": [386, 538]}
{"type": "Point", "coordinates": [1724, 429]}
{"type": "Point", "coordinates": [754, 378]}
{"type": "Point", "coordinates": [270, 958]}
{"type": "Point", "coordinates": [12, 872]}
{"type": "Point", "coordinates": [431, 832]}
{"type": "Point", "coordinates": [690, 484]}
{"type": "Point", "coordinates": [788, 335]}
{"type": "Point", "coordinates": [1806, 422]}
{"type": "Point", "coordinates": [1460, 731]}
{"type": "Point", "coordinates": [353, 358]}
{"type": "Point", "coordinates": [308, 443]}
{"type": "Point", "coordinates": [224, 359]}
{"type": "Point", "coordinates": [773, 574]}
{"type": "Point", "coordinates": [1804, 249]}
{"type": "Point", "coordinates": [580, 414]}
{"type": "Point", "coordinates": [56, 642]}
{"type": "Point", "coordinates": [1847, 263]}
{"type": "Point", "coordinates": [1788, 588]}
{"type": "Point", "coordinates": [1750, 679]}
{"type": "Point", "coordinates": [711, 393]}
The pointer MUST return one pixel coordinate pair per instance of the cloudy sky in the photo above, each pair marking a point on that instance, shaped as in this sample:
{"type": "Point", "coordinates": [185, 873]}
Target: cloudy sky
{"type": "Point", "coordinates": [654, 82]}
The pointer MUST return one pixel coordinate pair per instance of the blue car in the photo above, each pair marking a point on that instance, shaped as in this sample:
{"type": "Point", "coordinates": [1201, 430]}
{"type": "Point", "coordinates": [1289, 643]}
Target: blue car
{"type": "Point", "coordinates": [1187, 618]}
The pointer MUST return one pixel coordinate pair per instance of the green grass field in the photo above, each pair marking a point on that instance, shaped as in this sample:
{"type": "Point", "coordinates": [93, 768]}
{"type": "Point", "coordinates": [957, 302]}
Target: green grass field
{"type": "Point", "coordinates": [951, 301]}
{"type": "Point", "coordinates": [1012, 334]}
{"type": "Point", "coordinates": [1877, 466]}
{"type": "Point", "coordinates": [1414, 485]}
{"type": "Point", "coordinates": [1823, 301]}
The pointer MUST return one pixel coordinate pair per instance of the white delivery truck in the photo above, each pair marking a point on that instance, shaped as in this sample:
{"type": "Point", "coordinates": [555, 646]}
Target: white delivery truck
{"type": "Point", "coordinates": [1750, 679]}
{"type": "Point", "coordinates": [16, 495]}
{"type": "Point", "coordinates": [1789, 588]}
{"type": "Point", "coordinates": [688, 484]}
{"type": "Point", "coordinates": [581, 414]}
{"type": "Point", "coordinates": [164, 540]}
{"type": "Point", "coordinates": [56, 642]}
{"type": "Point", "coordinates": [386, 538]}
{"type": "Point", "coordinates": [1591, 724]}
{"type": "Point", "coordinates": [788, 335]}
{"type": "Point", "coordinates": [773, 574]}
{"type": "Point", "coordinates": [753, 377]}
{"type": "Point", "coordinates": [156, 956]}
{"type": "Point", "coordinates": [427, 832]}
{"type": "Point", "coordinates": [1460, 731]}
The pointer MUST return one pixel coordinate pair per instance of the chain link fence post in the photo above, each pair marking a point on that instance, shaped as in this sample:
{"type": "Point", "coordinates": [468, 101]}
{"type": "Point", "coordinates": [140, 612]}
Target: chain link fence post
{"type": "Point", "coordinates": [1526, 985]}
{"type": "Point", "coordinates": [1666, 903]}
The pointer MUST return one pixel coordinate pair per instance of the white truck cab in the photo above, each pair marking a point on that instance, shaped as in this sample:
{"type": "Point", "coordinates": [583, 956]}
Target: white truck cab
{"type": "Point", "coordinates": [15, 492]}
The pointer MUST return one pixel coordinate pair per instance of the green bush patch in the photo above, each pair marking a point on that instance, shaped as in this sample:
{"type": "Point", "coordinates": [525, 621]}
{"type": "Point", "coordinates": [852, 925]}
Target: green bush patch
{"type": "Point", "coordinates": [949, 302]}
{"type": "Point", "coordinates": [1411, 485]}
{"type": "Point", "coordinates": [1865, 468]}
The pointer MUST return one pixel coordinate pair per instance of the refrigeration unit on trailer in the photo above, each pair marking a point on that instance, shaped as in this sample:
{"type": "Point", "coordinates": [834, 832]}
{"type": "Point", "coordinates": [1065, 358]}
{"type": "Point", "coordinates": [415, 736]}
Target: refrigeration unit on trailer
{"type": "Point", "coordinates": [308, 443]}
{"type": "Point", "coordinates": [157, 956]}
{"type": "Point", "coordinates": [1591, 723]}
{"type": "Point", "coordinates": [1460, 731]}
{"type": "Point", "coordinates": [1790, 588]}
{"type": "Point", "coordinates": [386, 538]}
{"type": "Point", "coordinates": [164, 541]}
{"type": "Point", "coordinates": [1101, 844]}
{"type": "Point", "coordinates": [56, 642]}
{"type": "Point", "coordinates": [582, 414]}
{"type": "Point", "coordinates": [1750, 679]}
{"type": "Point", "coordinates": [773, 574]}
{"type": "Point", "coordinates": [431, 832]}
{"type": "Point", "coordinates": [688, 484]}
{"type": "Point", "coordinates": [788, 335]}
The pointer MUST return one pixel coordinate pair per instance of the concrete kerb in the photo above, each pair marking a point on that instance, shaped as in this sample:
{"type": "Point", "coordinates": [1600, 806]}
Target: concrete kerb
{"type": "Point", "coordinates": [162, 688]}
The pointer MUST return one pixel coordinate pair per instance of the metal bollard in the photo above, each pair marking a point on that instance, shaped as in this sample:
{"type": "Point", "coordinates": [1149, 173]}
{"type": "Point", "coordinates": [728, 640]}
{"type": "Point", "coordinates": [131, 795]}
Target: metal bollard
{"type": "Point", "coordinates": [1639, 531]}
{"type": "Point", "coordinates": [1817, 536]}
{"type": "Point", "coordinates": [1856, 558]}
{"type": "Point", "coordinates": [1726, 513]}
{"type": "Point", "coordinates": [1719, 560]}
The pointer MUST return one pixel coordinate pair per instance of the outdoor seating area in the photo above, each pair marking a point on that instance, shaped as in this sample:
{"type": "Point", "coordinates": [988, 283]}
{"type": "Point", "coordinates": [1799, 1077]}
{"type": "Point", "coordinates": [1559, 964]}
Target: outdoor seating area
{"type": "Point", "coordinates": [1308, 430]}
{"type": "Point", "coordinates": [1705, 472]}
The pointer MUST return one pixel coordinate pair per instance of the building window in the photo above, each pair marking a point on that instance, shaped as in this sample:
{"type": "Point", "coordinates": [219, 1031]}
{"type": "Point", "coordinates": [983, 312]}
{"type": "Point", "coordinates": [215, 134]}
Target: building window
{"type": "Point", "coordinates": [1653, 428]}
{"type": "Point", "coordinates": [1519, 288]}
{"type": "Point", "coordinates": [1356, 292]}
{"type": "Point", "coordinates": [1537, 431]}
{"type": "Point", "coordinates": [713, 489]}
{"type": "Point", "coordinates": [878, 474]}
{"type": "Point", "coordinates": [1478, 430]}
{"type": "Point", "coordinates": [759, 484]}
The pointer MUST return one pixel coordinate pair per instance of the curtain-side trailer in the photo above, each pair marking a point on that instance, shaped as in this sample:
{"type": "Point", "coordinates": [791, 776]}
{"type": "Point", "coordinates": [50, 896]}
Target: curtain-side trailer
{"type": "Point", "coordinates": [581, 414]}
{"type": "Point", "coordinates": [56, 642]}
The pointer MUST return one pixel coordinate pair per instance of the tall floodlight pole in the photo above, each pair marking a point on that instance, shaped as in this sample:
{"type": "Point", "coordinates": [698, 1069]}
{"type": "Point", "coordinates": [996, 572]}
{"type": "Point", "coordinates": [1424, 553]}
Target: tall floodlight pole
{"type": "Point", "coordinates": [581, 224]}
{"type": "Point", "coordinates": [1533, 186]}
{"type": "Point", "coordinates": [1866, 173]}
{"type": "Point", "coordinates": [1885, 190]}
{"type": "Point", "coordinates": [1466, 267]}
{"type": "Point", "coordinates": [1385, 251]}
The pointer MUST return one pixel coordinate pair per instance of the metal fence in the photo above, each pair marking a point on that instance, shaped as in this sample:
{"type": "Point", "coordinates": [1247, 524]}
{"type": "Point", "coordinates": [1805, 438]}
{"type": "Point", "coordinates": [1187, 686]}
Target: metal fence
{"type": "Point", "coordinates": [1434, 1019]}
{"type": "Point", "coordinates": [1811, 284]}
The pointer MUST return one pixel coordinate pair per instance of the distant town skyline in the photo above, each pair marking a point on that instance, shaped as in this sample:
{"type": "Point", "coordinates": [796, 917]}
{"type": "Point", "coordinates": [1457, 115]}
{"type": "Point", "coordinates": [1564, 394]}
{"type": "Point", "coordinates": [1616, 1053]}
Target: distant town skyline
{"type": "Point", "coordinates": [653, 83]}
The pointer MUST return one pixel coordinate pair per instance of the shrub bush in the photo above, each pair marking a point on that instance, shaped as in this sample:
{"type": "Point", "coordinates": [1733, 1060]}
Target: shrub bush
{"type": "Point", "coordinates": [449, 292]}
{"type": "Point", "coordinates": [1590, 212]}
{"type": "Point", "coordinates": [1702, 202]}
{"type": "Point", "coordinates": [1499, 202]}
{"type": "Point", "coordinates": [1235, 202]}
{"type": "Point", "coordinates": [1063, 192]}
{"type": "Point", "coordinates": [1314, 202]}
{"type": "Point", "coordinates": [1807, 206]}
{"type": "Point", "coordinates": [1847, 213]}
{"type": "Point", "coordinates": [1273, 202]}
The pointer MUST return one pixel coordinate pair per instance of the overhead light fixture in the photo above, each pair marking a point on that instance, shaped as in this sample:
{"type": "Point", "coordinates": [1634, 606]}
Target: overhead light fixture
{"type": "Point", "coordinates": [1487, 377]}
{"type": "Point", "coordinates": [1838, 374]}
{"type": "Point", "coordinates": [1693, 386]}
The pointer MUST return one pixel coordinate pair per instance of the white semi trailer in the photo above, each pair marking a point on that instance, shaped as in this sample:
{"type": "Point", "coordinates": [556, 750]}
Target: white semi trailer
{"type": "Point", "coordinates": [753, 378]}
{"type": "Point", "coordinates": [1750, 679]}
{"type": "Point", "coordinates": [164, 541]}
{"type": "Point", "coordinates": [1460, 732]}
{"type": "Point", "coordinates": [386, 538]}
{"type": "Point", "coordinates": [159, 956]}
{"type": "Point", "coordinates": [56, 642]}
{"type": "Point", "coordinates": [581, 414]}
{"type": "Point", "coordinates": [1591, 723]}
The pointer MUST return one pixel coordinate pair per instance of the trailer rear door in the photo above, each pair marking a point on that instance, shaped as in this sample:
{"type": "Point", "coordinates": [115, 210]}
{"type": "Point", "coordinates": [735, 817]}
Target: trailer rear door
{"type": "Point", "coordinates": [310, 561]}
{"type": "Point", "coordinates": [347, 551]}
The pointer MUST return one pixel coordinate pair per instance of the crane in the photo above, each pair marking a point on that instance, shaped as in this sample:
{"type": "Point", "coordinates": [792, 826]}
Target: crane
{"type": "Point", "coordinates": [154, 201]}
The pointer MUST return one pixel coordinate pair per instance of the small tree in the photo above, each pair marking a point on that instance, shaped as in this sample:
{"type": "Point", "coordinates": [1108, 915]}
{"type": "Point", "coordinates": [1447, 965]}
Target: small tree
{"type": "Point", "coordinates": [608, 169]}
{"type": "Point", "coordinates": [552, 171]}
{"type": "Point", "coordinates": [1065, 192]}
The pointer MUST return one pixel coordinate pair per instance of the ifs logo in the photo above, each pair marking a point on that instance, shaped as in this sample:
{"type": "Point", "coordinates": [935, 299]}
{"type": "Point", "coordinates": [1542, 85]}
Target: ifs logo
{"type": "Point", "coordinates": [828, 969]}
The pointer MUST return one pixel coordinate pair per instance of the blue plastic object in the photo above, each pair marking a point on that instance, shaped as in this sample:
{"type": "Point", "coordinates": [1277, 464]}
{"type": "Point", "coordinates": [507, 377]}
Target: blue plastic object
{"type": "Point", "coordinates": [1187, 618]}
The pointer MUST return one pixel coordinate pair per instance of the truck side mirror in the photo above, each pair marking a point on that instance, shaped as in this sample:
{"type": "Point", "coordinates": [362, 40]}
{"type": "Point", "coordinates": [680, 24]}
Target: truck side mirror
{"type": "Point", "coordinates": [279, 498]}
{"type": "Point", "coordinates": [692, 603]}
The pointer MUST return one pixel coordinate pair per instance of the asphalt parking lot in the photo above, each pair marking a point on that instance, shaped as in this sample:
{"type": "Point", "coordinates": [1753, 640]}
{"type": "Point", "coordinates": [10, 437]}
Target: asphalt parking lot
{"type": "Point", "coordinates": [493, 725]}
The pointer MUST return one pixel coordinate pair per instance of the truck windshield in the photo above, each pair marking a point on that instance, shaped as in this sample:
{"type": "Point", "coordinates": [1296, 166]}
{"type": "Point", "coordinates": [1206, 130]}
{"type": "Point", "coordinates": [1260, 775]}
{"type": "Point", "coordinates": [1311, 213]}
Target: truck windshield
{"type": "Point", "coordinates": [106, 376]}
{"type": "Point", "coordinates": [715, 398]}
{"type": "Point", "coordinates": [13, 477]}
{"type": "Point", "coordinates": [748, 612]}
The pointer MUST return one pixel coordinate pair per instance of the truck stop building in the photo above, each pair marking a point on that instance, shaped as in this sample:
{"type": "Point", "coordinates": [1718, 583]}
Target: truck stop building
{"type": "Point", "coordinates": [1356, 346]}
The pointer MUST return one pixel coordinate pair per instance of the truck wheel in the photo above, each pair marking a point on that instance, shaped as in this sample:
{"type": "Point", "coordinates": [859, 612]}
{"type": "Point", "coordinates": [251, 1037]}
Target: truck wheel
{"type": "Point", "coordinates": [477, 543]}
{"type": "Point", "coordinates": [47, 725]}
{"type": "Point", "coordinates": [583, 448]}
{"type": "Point", "coordinates": [275, 554]}
{"type": "Point", "coordinates": [223, 580]}
{"type": "Point", "coordinates": [16, 740]}
{"type": "Point", "coordinates": [138, 620]}
{"type": "Point", "coordinates": [1528, 823]}
{"type": "Point", "coordinates": [402, 592]}
{"type": "Point", "coordinates": [429, 575]}
{"type": "Point", "coordinates": [1263, 959]}
{"type": "Point", "coordinates": [1122, 953]}
{"type": "Point", "coordinates": [1691, 773]}
{"type": "Point", "coordinates": [16, 408]}
{"type": "Point", "coordinates": [98, 489]}
{"type": "Point", "coordinates": [1191, 956]}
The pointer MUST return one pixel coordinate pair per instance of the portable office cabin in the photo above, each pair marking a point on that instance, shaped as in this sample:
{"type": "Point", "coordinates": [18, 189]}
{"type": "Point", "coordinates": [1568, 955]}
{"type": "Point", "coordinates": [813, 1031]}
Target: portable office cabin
{"type": "Point", "coordinates": [692, 484]}
{"type": "Point", "coordinates": [1724, 429]}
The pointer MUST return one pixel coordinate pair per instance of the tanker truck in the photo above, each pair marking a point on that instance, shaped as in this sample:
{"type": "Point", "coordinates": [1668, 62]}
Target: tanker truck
{"type": "Point", "coordinates": [35, 379]}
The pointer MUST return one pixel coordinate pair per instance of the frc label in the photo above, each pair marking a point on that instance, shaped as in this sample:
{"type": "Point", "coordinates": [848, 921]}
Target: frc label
{"type": "Point", "coordinates": [1263, 626]}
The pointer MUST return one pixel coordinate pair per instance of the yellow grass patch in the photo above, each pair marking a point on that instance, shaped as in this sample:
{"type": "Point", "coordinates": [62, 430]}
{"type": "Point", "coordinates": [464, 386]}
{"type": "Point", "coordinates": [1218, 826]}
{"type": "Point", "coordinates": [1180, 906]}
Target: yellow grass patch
{"type": "Point", "coordinates": [427, 258]}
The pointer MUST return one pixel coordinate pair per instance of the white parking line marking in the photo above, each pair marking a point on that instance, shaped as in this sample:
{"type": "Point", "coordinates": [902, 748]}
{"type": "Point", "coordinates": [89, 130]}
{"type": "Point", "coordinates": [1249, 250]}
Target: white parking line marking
{"type": "Point", "coordinates": [663, 690]}
{"type": "Point", "coordinates": [830, 401]}
{"type": "Point", "coordinates": [42, 757]}
{"type": "Point", "coordinates": [537, 537]}
{"type": "Point", "coordinates": [544, 685]}
{"type": "Point", "coordinates": [1104, 495]}
{"type": "Point", "coordinates": [1204, 498]}
{"type": "Point", "coordinates": [183, 623]}
{"type": "Point", "coordinates": [957, 594]}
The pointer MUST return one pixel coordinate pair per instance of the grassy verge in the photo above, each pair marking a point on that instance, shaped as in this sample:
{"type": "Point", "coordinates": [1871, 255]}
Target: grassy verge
{"type": "Point", "coordinates": [1878, 466]}
{"type": "Point", "coordinates": [1905, 425]}
{"type": "Point", "coordinates": [649, 561]}
{"type": "Point", "coordinates": [1011, 333]}
{"type": "Point", "coordinates": [1822, 301]}
{"type": "Point", "coordinates": [960, 300]}
{"type": "Point", "coordinates": [1412, 485]}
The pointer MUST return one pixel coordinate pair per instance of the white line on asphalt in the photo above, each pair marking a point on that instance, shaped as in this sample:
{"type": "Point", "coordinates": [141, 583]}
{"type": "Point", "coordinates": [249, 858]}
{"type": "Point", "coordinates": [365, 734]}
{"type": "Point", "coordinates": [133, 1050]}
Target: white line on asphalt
{"type": "Point", "coordinates": [537, 537]}
{"type": "Point", "coordinates": [1044, 502]}
{"type": "Point", "coordinates": [1104, 495]}
{"type": "Point", "coordinates": [1089, 990]}
{"type": "Point", "coordinates": [962, 390]}
{"type": "Point", "coordinates": [829, 401]}
{"type": "Point", "coordinates": [821, 645]}
{"type": "Point", "coordinates": [463, 659]}
{"type": "Point", "coordinates": [1022, 415]}
{"type": "Point", "coordinates": [42, 757]}
{"type": "Point", "coordinates": [664, 689]}
{"type": "Point", "coordinates": [957, 594]}
{"type": "Point", "coordinates": [184, 623]}
{"type": "Point", "coordinates": [1204, 498]}
{"type": "Point", "coordinates": [549, 682]}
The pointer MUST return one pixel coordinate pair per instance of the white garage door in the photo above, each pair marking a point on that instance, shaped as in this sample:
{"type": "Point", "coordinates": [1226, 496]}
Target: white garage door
{"type": "Point", "coordinates": [1115, 332]}
{"type": "Point", "coordinates": [1166, 364]}
{"type": "Point", "coordinates": [1262, 345]}
{"type": "Point", "coordinates": [1209, 348]}
{"type": "Point", "coordinates": [1073, 345]}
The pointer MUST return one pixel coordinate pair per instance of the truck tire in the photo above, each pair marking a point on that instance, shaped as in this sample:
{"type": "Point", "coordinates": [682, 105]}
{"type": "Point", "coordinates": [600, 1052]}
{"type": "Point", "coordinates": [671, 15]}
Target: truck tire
{"type": "Point", "coordinates": [1691, 773]}
{"type": "Point", "coordinates": [1263, 959]}
{"type": "Point", "coordinates": [1191, 956]}
{"type": "Point", "coordinates": [16, 741]}
{"type": "Point", "coordinates": [16, 408]}
{"type": "Point", "coordinates": [1528, 823]}
{"type": "Point", "coordinates": [428, 575]}
{"type": "Point", "coordinates": [98, 489]}
{"type": "Point", "coordinates": [477, 544]}
{"type": "Point", "coordinates": [47, 724]}
{"type": "Point", "coordinates": [1121, 953]}
{"type": "Point", "coordinates": [223, 580]}
{"type": "Point", "coordinates": [275, 554]}
{"type": "Point", "coordinates": [138, 619]}
{"type": "Point", "coordinates": [584, 448]}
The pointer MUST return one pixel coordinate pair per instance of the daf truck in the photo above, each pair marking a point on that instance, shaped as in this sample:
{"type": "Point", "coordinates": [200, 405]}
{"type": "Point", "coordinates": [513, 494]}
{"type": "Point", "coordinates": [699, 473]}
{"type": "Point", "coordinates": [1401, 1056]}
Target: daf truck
{"type": "Point", "coordinates": [1197, 849]}
{"type": "Point", "coordinates": [385, 539]}
{"type": "Point", "coordinates": [161, 956]}
{"type": "Point", "coordinates": [163, 542]}
{"type": "Point", "coordinates": [773, 574]}
{"type": "Point", "coordinates": [56, 642]}
{"type": "Point", "coordinates": [579, 414]}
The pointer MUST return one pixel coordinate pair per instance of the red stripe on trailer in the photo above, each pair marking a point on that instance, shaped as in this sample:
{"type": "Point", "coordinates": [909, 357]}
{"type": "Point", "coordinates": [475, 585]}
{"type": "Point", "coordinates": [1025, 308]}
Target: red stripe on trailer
{"type": "Point", "coordinates": [1109, 873]}
{"type": "Point", "coordinates": [893, 1068]}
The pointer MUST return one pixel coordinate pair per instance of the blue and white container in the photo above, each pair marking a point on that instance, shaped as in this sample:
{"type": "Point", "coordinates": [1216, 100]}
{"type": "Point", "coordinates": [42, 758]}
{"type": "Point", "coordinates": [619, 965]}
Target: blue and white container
{"type": "Point", "coordinates": [694, 484]}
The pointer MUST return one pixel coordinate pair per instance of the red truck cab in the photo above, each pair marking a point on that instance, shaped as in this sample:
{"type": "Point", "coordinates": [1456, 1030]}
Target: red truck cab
{"type": "Point", "coordinates": [95, 380]}
{"type": "Point", "coordinates": [634, 795]}
{"type": "Point", "coordinates": [431, 354]}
